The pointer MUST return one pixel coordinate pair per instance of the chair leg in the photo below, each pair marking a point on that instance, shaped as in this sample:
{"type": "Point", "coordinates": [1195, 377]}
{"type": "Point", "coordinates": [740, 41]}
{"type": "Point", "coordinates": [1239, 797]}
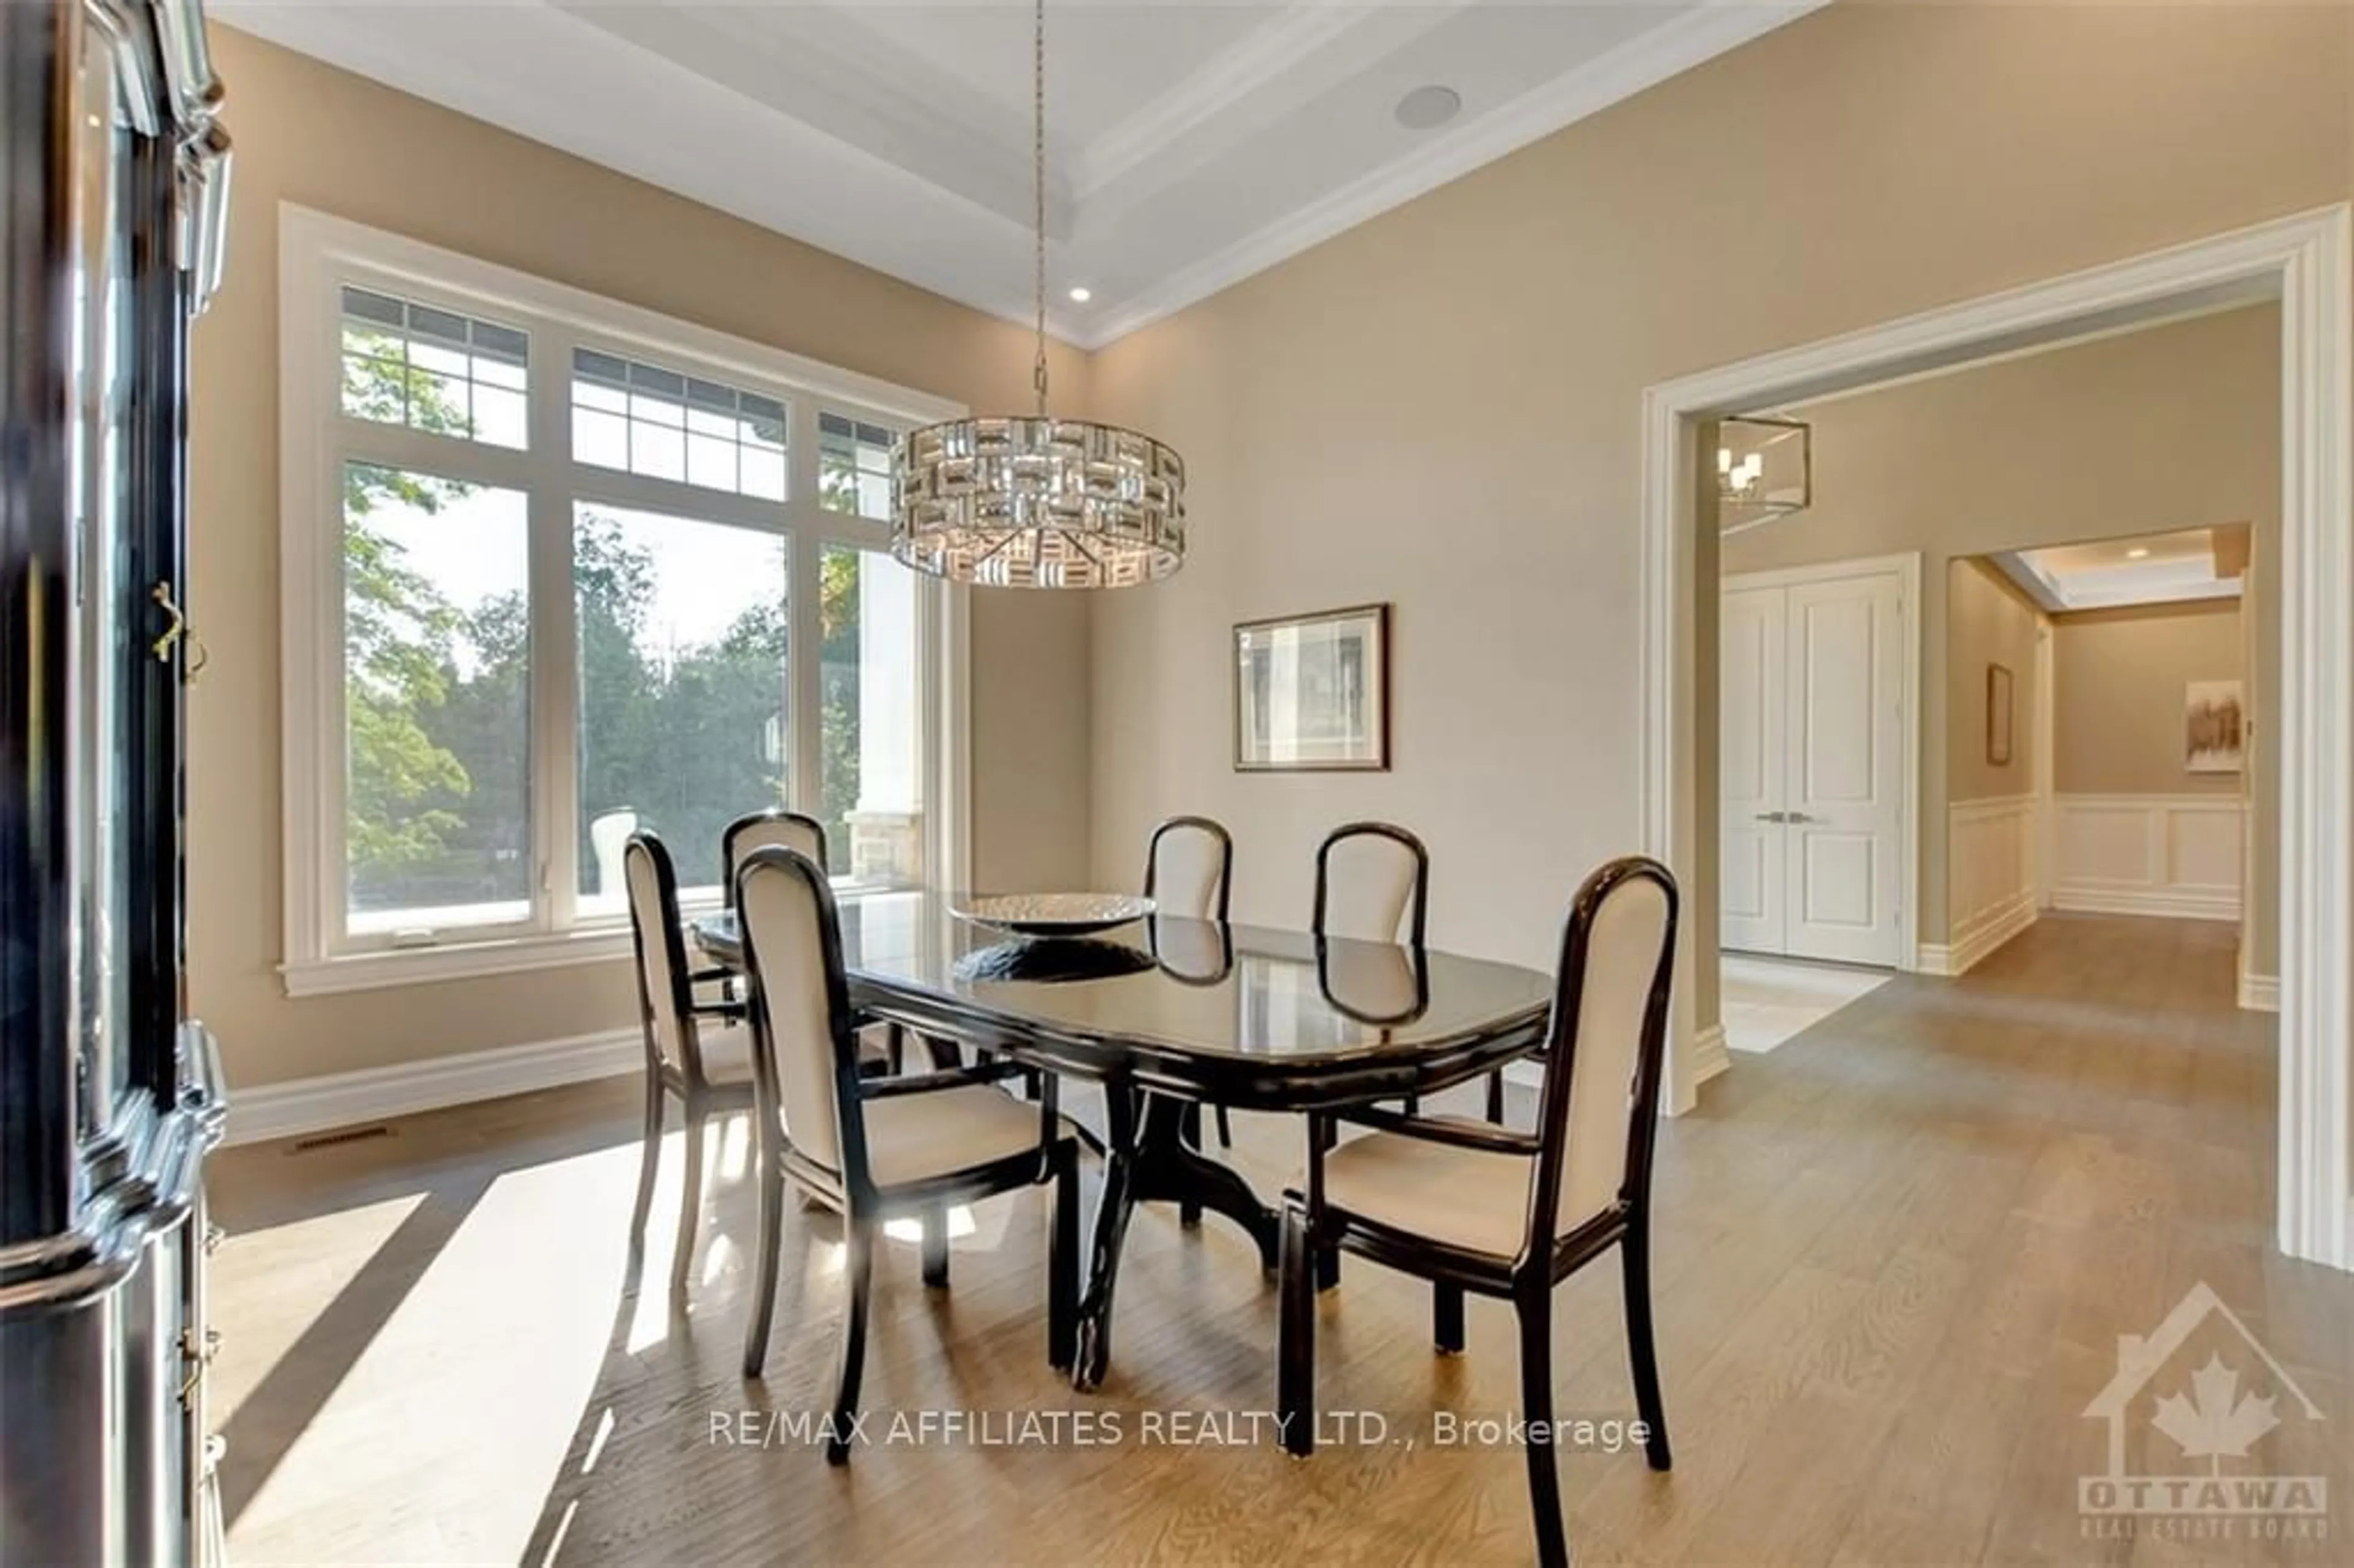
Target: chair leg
{"type": "Point", "coordinates": [1063, 1262]}
{"type": "Point", "coordinates": [689, 1203]}
{"type": "Point", "coordinates": [649, 1163]}
{"type": "Point", "coordinates": [858, 1272]}
{"type": "Point", "coordinates": [936, 1247]}
{"type": "Point", "coordinates": [1189, 1131]}
{"type": "Point", "coordinates": [1327, 1131]}
{"type": "Point", "coordinates": [1447, 1318]}
{"type": "Point", "coordinates": [1496, 1097]}
{"type": "Point", "coordinates": [1295, 1361]}
{"type": "Point", "coordinates": [1414, 1105]}
{"type": "Point", "coordinates": [895, 1047]}
{"type": "Point", "coordinates": [1634, 1256]}
{"type": "Point", "coordinates": [1225, 1129]}
{"type": "Point", "coordinates": [771, 1243]}
{"type": "Point", "coordinates": [1536, 1407]}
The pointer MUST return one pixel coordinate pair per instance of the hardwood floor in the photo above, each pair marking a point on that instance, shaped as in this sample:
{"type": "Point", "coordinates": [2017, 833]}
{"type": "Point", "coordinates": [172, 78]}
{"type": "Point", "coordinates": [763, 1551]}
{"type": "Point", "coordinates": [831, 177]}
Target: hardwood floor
{"type": "Point", "coordinates": [1894, 1260]}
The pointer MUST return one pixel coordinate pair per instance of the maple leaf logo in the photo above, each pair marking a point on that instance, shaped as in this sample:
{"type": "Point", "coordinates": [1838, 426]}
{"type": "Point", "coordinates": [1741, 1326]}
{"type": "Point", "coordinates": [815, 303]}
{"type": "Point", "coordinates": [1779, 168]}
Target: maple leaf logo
{"type": "Point", "coordinates": [2216, 1420]}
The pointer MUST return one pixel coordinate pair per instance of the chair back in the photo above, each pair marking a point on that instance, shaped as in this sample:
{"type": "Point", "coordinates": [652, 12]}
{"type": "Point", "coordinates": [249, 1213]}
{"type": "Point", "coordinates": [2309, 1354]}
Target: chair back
{"type": "Point", "coordinates": [1605, 1048]}
{"type": "Point", "coordinates": [666, 994]}
{"type": "Point", "coordinates": [1373, 885]}
{"type": "Point", "coordinates": [1189, 868]}
{"type": "Point", "coordinates": [804, 1048]}
{"type": "Point", "coordinates": [773, 829]}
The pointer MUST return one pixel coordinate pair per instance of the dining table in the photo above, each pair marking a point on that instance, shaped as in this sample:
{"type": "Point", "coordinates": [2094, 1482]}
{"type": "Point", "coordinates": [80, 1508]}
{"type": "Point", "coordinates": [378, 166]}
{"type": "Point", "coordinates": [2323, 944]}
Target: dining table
{"type": "Point", "coordinates": [1170, 1014]}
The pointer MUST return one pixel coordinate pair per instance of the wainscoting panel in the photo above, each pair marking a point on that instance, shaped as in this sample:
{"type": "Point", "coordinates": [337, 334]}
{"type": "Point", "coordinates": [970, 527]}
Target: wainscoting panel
{"type": "Point", "coordinates": [1989, 881]}
{"type": "Point", "coordinates": [2176, 855]}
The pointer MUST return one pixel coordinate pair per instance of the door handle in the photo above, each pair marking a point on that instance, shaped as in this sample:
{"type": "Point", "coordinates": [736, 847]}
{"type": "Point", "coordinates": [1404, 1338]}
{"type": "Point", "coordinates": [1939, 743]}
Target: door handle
{"type": "Point", "coordinates": [1772, 816]}
{"type": "Point", "coordinates": [175, 625]}
{"type": "Point", "coordinates": [178, 634]}
{"type": "Point", "coordinates": [1797, 817]}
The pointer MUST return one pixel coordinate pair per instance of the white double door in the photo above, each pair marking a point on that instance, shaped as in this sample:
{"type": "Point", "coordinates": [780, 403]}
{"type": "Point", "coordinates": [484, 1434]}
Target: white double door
{"type": "Point", "coordinates": [1812, 767]}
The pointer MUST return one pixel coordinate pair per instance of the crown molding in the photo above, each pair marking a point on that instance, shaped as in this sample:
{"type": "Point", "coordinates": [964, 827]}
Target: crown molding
{"type": "Point", "coordinates": [1652, 57]}
{"type": "Point", "coordinates": [1302, 37]}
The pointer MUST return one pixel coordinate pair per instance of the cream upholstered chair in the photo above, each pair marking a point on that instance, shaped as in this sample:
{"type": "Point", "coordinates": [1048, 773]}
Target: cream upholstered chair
{"type": "Point", "coordinates": [761, 830]}
{"type": "Point", "coordinates": [1373, 885]}
{"type": "Point", "coordinates": [1189, 873]}
{"type": "Point", "coordinates": [1189, 869]}
{"type": "Point", "coordinates": [880, 1044]}
{"type": "Point", "coordinates": [1471, 1207]}
{"type": "Point", "coordinates": [873, 1147]}
{"type": "Point", "coordinates": [698, 1052]}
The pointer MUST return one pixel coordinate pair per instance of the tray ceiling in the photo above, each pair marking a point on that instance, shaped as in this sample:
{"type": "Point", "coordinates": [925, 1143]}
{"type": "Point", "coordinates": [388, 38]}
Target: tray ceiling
{"type": "Point", "coordinates": [1190, 145]}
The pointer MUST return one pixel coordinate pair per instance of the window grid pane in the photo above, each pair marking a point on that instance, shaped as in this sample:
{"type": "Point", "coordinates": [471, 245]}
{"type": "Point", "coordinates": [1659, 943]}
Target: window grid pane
{"type": "Point", "coordinates": [685, 688]}
{"type": "Point", "coordinates": [437, 690]}
{"type": "Point", "coordinates": [434, 370]}
{"type": "Point", "coordinates": [853, 466]}
{"type": "Point", "coordinates": [643, 419]}
{"type": "Point", "coordinates": [680, 636]}
{"type": "Point", "coordinates": [870, 720]}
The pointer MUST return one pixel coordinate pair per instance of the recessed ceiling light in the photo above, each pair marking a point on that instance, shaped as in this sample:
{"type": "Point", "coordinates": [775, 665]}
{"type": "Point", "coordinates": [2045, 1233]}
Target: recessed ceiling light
{"type": "Point", "coordinates": [1081, 293]}
{"type": "Point", "coordinates": [1429, 108]}
{"type": "Point", "coordinates": [2137, 553]}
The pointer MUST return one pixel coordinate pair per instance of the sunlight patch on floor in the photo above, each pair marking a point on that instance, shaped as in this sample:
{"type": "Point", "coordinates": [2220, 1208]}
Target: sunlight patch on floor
{"type": "Point", "coordinates": [290, 1273]}
{"type": "Point", "coordinates": [437, 1404]}
{"type": "Point", "coordinates": [1769, 1000]}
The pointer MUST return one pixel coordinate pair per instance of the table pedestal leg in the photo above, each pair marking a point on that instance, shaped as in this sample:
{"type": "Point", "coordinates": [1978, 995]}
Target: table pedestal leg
{"type": "Point", "coordinates": [1149, 1160]}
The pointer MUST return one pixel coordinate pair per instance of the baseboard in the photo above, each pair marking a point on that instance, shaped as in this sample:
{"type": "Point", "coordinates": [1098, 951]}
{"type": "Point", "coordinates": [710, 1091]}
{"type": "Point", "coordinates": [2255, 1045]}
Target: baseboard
{"type": "Point", "coordinates": [2164, 903]}
{"type": "Point", "coordinates": [2260, 993]}
{"type": "Point", "coordinates": [1981, 940]}
{"type": "Point", "coordinates": [341, 1099]}
{"type": "Point", "coordinates": [1710, 1056]}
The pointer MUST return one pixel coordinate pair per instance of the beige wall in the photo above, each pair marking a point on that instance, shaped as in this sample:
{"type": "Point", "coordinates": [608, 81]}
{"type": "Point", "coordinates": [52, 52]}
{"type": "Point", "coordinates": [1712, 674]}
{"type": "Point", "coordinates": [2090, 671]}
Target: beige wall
{"type": "Point", "coordinates": [2117, 704]}
{"type": "Point", "coordinates": [1441, 407]}
{"type": "Point", "coordinates": [1988, 622]}
{"type": "Point", "coordinates": [310, 134]}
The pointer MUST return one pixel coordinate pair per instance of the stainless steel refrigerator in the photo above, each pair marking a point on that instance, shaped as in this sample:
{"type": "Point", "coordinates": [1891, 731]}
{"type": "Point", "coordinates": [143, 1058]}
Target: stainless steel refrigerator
{"type": "Point", "coordinates": [115, 170]}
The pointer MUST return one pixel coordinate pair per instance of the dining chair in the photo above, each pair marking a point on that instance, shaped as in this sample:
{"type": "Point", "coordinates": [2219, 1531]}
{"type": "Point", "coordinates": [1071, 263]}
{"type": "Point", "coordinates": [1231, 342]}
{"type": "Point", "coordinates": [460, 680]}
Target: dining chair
{"type": "Point", "coordinates": [780, 828]}
{"type": "Point", "coordinates": [1373, 885]}
{"type": "Point", "coordinates": [696, 1051]}
{"type": "Point", "coordinates": [870, 1148]}
{"type": "Point", "coordinates": [1189, 866]}
{"type": "Point", "coordinates": [759, 829]}
{"type": "Point", "coordinates": [1473, 1207]}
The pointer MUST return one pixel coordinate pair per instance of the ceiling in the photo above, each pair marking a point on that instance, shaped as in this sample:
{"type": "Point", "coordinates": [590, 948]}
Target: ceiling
{"type": "Point", "coordinates": [2150, 569]}
{"type": "Point", "coordinates": [1190, 145]}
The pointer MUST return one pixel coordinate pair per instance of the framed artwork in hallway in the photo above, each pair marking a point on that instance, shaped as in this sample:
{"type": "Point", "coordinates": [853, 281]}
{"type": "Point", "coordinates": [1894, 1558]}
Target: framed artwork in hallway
{"type": "Point", "coordinates": [1999, 716]}
{"type": "Point", "coordinates": [2213, 726]}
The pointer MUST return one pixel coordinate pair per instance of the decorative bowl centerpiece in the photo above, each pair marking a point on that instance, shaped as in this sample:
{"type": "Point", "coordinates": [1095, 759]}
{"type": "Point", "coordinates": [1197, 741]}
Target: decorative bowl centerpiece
{"type": "Point", "coordinates": [1052, 914]}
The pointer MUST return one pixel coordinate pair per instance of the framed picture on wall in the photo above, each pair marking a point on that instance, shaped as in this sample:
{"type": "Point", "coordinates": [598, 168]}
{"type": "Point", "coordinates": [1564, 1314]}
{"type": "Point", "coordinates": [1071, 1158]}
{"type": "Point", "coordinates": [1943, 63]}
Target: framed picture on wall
{"type": "Point", "coordinates": [1999, 716]}
{"type": "Point", "coordinates": [2213, 726]}
{"type": "Point", "coordinates": [1311, 692]}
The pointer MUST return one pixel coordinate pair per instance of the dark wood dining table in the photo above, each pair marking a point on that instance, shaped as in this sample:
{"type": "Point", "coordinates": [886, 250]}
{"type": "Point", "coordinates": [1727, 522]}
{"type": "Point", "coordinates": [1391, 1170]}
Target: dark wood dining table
{"type": "Point", "coordinates": [1170, 1014]}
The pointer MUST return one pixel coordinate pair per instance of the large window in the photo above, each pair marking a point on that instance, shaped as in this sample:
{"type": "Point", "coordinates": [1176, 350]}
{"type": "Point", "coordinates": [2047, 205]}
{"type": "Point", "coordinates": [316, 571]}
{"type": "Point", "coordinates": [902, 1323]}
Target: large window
{"type": "Point", "coordinates": [558, 571]}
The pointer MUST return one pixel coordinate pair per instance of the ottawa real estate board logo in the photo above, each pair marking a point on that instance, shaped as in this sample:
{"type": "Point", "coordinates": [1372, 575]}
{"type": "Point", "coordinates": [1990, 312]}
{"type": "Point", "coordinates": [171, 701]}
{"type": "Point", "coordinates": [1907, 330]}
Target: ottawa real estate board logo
{"type": "Point", "coordinates": [2194, 1413]}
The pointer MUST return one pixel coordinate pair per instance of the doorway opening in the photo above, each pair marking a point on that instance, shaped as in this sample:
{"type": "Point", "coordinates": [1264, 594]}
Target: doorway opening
{"type": "Point", "coordinates": [2299, 269]}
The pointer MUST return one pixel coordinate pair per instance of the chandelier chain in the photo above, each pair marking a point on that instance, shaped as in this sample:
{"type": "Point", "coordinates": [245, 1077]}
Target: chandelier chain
{"type": "Point", "coordinates": [1038, 189]}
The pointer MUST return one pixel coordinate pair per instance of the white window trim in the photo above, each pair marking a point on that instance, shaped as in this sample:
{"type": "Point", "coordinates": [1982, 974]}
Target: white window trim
{"type": "Point", "coordinates": [317, 255]}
